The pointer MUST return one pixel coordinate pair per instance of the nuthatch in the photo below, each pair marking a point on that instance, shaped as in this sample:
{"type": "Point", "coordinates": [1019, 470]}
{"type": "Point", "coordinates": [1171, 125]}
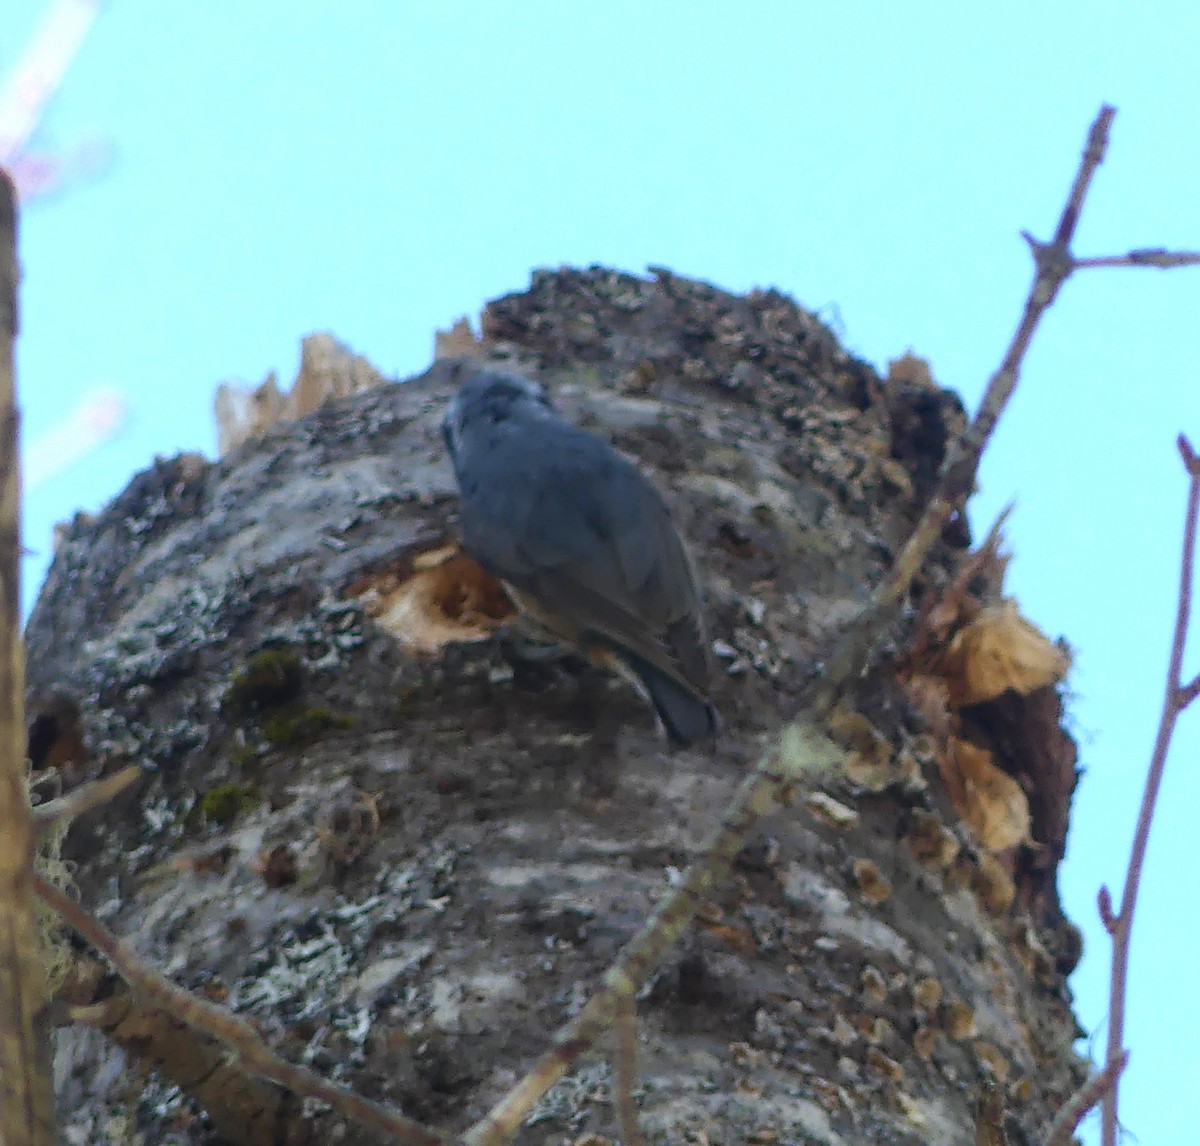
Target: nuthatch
{"type": "Point", "coordinates": [582, 541]}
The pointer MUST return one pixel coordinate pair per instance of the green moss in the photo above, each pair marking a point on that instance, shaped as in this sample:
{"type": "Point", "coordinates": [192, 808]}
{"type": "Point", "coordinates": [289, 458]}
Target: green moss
{"type": "Point", "coordinates": [588, 376]}
{"type": "Point", "coordinates": [245, 755]}
{"type": "Point", "coordinates": [224, 803]}
{"type": "Point", "coordinates": [271, 678]}
{"type": "Point", "coordinates": [301, 724]}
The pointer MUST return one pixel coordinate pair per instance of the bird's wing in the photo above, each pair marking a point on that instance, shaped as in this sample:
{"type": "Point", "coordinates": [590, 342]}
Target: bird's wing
{"type": "Point", "coordinates": [571, 523]}
{"type": "Point", "coordinates": [614, 564]}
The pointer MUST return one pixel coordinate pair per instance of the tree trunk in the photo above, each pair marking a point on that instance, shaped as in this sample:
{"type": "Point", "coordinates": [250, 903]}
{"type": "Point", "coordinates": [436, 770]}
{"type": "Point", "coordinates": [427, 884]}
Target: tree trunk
{"type": "Point", "coordinates": [407, 848]}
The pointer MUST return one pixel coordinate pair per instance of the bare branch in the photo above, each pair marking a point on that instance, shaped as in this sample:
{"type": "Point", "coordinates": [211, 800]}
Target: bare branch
{"type": "Point", "coordinates": [243, 1107]}
{"type": "Point", "coordinates": [1175, 699]}
{"type": "Point", "coordinates": [1093, 156]}
{"type": "Point", "coordinates": [1189, 692]}
{"type": "Point", "coordinates": [1062, 1129]}
{"type": "Point", "coordinates": [26, 1093]}
{"type": "Point", "coordinates": [85, 797]}
{"type": "Point", "coordinates": [1053, 265]}
{"type": "Point", "coordinates": [1191, 460]}
{"type": "Point", "coordinates": [796, 754]}
{"type": "Point", "coordinates": [1158, 257]}
{"type": "Point", "coordinates": [1104, 905]}
{"type": "Point", "coordinates": [625, 1072]}
{"type": "Point", "coordinates": [234, 1032]}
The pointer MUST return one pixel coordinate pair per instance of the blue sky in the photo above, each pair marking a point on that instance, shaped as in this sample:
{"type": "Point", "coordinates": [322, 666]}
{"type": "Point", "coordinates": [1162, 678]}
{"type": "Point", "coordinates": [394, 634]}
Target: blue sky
{"type": "Point", "coordinates": [378, 169]}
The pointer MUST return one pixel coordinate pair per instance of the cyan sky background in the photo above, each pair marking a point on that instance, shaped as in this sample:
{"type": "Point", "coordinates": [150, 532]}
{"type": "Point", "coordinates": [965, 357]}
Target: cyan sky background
{"type": "Point", "coordinates": [378, 169]}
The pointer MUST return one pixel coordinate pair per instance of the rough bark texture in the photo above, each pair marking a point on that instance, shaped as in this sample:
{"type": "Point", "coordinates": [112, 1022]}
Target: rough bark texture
{"type": "Point", "coordinates": [410, 869]}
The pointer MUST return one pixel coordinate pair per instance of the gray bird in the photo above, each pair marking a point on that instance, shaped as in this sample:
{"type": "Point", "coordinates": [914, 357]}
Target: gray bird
{"type": "Point", "coordinates": [582, 540]}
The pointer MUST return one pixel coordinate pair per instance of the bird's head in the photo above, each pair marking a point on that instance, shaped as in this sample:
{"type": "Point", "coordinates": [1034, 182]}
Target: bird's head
{"type": "Point", "coordinates": [490, 397]}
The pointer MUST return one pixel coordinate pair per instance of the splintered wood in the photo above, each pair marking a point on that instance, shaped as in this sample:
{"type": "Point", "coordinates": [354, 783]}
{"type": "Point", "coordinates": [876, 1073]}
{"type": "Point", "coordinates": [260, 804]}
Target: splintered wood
{"type": "Point", "coordinates": [328, 370]}
{"type": "Point", "coordinates": [973, 646]}
{"type": "Point", "coordinates": [434, 598]}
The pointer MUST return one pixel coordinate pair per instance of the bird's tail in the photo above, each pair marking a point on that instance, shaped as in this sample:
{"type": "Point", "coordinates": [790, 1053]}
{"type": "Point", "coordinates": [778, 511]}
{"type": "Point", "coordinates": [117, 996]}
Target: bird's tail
{"type": "Point", "coordinates": [686, 715]}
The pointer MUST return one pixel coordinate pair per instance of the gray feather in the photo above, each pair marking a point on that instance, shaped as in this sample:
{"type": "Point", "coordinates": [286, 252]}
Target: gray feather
{"type": "Point", "coordinates": [574, 525]}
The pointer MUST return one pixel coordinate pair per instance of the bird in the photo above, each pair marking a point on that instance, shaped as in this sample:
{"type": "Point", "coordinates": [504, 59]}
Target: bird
{"type": "Point", "coordinates": [582, 541]}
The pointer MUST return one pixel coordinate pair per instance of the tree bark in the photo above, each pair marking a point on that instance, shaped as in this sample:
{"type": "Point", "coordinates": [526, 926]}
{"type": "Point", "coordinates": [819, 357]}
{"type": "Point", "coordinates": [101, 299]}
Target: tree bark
{"type": "Point", "coordinates": [410, 863]}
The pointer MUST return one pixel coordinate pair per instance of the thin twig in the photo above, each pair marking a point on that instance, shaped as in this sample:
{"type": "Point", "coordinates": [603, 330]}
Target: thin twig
{"type": "Point", "coordinates": [1093, 155]}
{"type": "Point", "coordinates": [26, 1093]}
{"type": "Point", "coordinates": [625, 1068]}
{"type": "Point", "coordinates": [796, 754]}
{"type": "Point", "coordinates": [1104, 906]}
{"type": "Point", "coordinates": [1176, 698]}
{"type": "Point", "coordinates": [242, 1106]}
{"type": "Point", "coordinates": [1158, 257]}
{"type": "Point", "coordinates": [234, 1032]}
{"type": "Point", "coordinates": [1053, 264]}
{"type": "Point", "coordinates": [1062, 1129]}
{"type": "Point", "coordinates": [1190, 691]}
{"type": "Point", "coordinates": [84, 798]}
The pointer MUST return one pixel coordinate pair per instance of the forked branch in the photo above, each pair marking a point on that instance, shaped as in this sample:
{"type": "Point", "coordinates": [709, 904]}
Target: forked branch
{"type": "Point", "coordinates": [84, 798]}
{"type": "Point", "coordinates": [1177, 696]}
{"type": "Point", "coordinates": [228, 1028]}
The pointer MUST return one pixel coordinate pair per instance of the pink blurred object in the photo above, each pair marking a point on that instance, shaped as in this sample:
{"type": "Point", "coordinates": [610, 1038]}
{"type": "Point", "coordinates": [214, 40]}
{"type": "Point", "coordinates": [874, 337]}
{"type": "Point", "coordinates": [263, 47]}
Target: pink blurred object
{"type": "Point", "coordinates": [29, 88]}
{"type": "Point", "coordinates": [39, 72]}
{"type": "Point", "coordinates": [99, 416]}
